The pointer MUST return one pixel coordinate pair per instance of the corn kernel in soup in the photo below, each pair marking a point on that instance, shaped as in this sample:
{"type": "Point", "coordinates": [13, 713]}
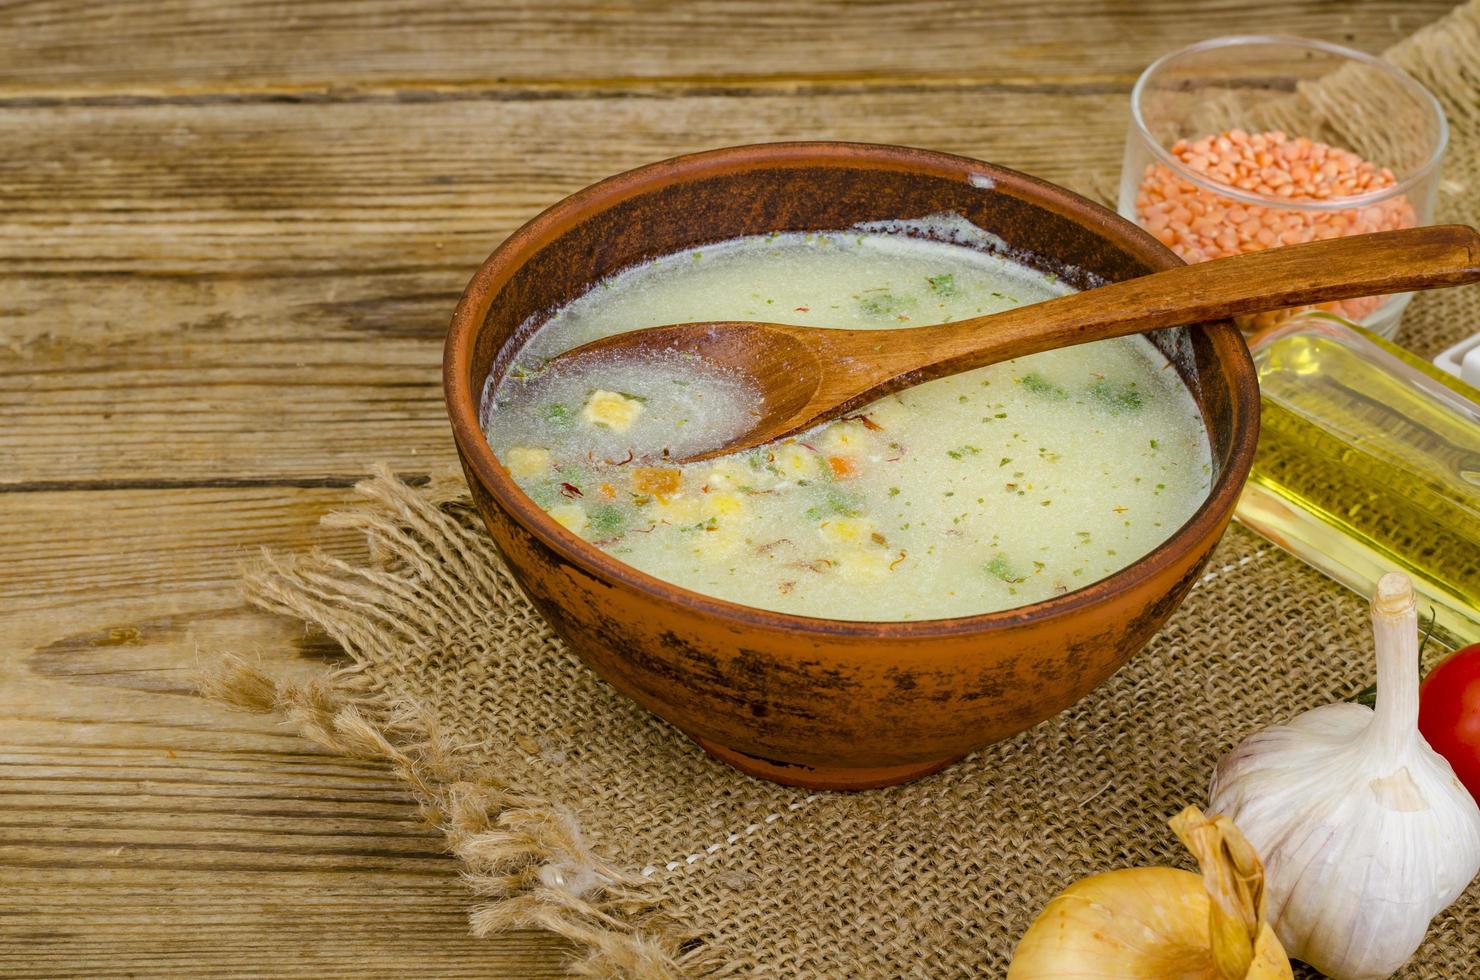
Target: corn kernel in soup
{"type": "Point", "coordinates": [991, 489]}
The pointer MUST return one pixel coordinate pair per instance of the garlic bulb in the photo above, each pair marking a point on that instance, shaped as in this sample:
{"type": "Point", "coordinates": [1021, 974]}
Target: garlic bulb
{"type": "Point", "coordinates": [1161, 922]}
{"type": "Point", "coordinates": [1365, 832]}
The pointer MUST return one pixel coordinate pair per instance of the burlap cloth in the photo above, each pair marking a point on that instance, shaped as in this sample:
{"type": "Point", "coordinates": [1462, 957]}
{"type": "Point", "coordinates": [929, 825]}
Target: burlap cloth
{"type": "Point", "coordinates": [574, 810]}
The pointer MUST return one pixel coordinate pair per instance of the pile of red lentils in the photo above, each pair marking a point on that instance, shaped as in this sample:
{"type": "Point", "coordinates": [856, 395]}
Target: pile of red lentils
{"type": "Point", "coordinates": [1199, 224]}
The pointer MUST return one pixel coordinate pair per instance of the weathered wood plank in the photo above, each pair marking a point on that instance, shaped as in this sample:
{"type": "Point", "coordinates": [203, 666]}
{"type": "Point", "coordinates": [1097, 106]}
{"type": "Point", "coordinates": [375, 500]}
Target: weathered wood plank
{"type": "Point", "coordinates": [144, 831]}
{"type": "Point", "coordinates": [137, 381]}
{"type": "Point", "coordinates": [271, 305]}
{"type": "Point", "coordinates": [175, 48]}
{"type": "Point", "coordinates": [126, 381]}
{"type": "Point", "coordinates": [158, 861]}
{"type": "Point", "coordinates": [166, 551]}
{"type": "Point", "coordinates": [297, 190]}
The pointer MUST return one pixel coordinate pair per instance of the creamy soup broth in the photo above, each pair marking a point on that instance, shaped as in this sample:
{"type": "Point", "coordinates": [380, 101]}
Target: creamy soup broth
{"type": "Point", "coordinates": [992, 489]}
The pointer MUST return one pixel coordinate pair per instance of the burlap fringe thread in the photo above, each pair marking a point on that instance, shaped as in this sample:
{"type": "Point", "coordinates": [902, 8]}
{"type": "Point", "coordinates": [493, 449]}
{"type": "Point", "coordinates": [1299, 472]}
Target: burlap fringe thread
{"type": "Point", "coordinates": [522, 856]}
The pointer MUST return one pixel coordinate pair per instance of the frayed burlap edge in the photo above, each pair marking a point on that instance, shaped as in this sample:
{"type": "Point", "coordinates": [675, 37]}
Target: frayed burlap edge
{"type": "Point", "coordinates": [523, 857]}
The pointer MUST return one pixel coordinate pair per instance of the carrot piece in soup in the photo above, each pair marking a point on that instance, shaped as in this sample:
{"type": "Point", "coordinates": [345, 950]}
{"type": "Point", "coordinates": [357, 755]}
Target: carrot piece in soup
{"type": "Point", "coordinates": [656, 480]}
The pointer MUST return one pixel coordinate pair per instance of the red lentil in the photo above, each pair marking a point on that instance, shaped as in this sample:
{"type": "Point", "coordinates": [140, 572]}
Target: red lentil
{"type": "Point", "coordinates": [1199, 224]}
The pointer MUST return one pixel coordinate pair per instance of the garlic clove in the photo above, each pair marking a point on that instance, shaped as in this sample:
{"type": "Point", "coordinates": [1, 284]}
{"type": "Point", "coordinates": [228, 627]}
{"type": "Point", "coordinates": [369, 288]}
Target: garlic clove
{"type": "Point", "coordinates": [1365, 832]}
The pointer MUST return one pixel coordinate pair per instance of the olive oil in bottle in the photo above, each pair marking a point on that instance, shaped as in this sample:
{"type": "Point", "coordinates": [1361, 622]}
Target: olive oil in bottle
{"type": "Point", "coordinates": [1369, 462]}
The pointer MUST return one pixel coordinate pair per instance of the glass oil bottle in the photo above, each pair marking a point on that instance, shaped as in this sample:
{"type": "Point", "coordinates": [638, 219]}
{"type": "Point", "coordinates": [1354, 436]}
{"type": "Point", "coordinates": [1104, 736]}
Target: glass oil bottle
{"type": "Point", "coordinates": [1369, 462]}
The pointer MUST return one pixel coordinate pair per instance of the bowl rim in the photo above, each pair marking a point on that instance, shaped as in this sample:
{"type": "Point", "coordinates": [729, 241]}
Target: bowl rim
{"type": "Point", "coordinates": [463, 409]}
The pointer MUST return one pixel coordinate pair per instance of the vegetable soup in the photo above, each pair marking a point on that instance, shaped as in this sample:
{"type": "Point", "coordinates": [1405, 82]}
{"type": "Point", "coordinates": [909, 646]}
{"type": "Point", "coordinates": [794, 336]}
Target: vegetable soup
{"type": "Point", "coordinates": [991, 489]}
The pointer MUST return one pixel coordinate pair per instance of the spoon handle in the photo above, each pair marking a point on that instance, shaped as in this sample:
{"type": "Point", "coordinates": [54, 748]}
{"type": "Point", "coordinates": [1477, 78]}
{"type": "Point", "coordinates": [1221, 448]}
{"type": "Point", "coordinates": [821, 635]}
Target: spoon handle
{"type": "Point", "coordinates": [1296, 275]}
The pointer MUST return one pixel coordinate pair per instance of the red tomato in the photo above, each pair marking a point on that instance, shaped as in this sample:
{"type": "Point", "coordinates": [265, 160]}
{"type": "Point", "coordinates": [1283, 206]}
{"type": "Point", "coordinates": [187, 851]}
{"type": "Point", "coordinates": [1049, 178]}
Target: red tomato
{"type": "Point", "coordinates": [1449, 714]}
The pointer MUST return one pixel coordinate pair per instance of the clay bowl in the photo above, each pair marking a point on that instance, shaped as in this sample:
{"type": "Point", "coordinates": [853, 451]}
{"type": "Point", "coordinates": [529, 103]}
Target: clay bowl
{"type": "Point", "coordinates": [809, 701]}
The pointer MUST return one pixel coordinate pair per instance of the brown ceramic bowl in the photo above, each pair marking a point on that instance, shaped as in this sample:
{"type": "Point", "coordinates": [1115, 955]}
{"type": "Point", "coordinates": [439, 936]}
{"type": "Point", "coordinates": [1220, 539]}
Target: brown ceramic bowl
{"type": "Point", "coordinates": [809, 701]}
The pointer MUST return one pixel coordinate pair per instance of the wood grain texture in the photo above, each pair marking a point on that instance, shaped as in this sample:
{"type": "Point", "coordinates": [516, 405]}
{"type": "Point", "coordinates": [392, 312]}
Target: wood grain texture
{"type": "Point", "coordinates": [271, 303]}
{"type": "Point", "coordinates": [145, 832]}
{"type": "Point", "coordinates": [200, 47]}
{"type": "Point", "coordinates": [300, 190]}
{"type": "Point", "coordinates": [231, 235]}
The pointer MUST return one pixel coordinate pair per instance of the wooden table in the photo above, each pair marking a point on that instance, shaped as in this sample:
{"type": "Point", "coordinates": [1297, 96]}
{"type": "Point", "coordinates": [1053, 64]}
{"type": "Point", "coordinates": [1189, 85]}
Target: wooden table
{"type": "Point", "coordinates": [231, 236]}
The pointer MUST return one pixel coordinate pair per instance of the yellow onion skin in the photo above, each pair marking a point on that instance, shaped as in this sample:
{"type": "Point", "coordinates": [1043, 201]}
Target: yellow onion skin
{"type": "Point", "coordinates": [1134, 923]}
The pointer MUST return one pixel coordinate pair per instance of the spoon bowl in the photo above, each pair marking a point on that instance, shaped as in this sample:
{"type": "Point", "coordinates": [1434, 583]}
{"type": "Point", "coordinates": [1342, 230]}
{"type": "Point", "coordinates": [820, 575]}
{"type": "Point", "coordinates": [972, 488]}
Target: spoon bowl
{"type": "Point", "coordinates": [736, 347]}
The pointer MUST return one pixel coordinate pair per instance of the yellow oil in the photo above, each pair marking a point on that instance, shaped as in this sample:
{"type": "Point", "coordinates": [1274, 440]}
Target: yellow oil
{"type": "Point", "coordinates": [1369, 462]}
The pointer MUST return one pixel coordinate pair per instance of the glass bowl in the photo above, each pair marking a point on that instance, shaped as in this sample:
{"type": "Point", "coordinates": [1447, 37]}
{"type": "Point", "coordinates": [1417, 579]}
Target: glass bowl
{"type": "Point", "coordinates": [1248, 142]}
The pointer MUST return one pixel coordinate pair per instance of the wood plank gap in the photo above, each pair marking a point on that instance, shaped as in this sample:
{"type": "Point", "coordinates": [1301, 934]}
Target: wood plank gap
{"type": "Point", "coordinates": [631, 87]}
{"type": "Point", "coordinates": [216, 483]}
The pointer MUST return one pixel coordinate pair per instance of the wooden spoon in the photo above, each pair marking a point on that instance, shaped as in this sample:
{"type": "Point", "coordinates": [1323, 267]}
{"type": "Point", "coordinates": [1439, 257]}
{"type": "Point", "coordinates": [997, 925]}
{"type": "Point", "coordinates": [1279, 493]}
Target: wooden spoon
{"type": "Point", "coordinates": [810, 375]}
